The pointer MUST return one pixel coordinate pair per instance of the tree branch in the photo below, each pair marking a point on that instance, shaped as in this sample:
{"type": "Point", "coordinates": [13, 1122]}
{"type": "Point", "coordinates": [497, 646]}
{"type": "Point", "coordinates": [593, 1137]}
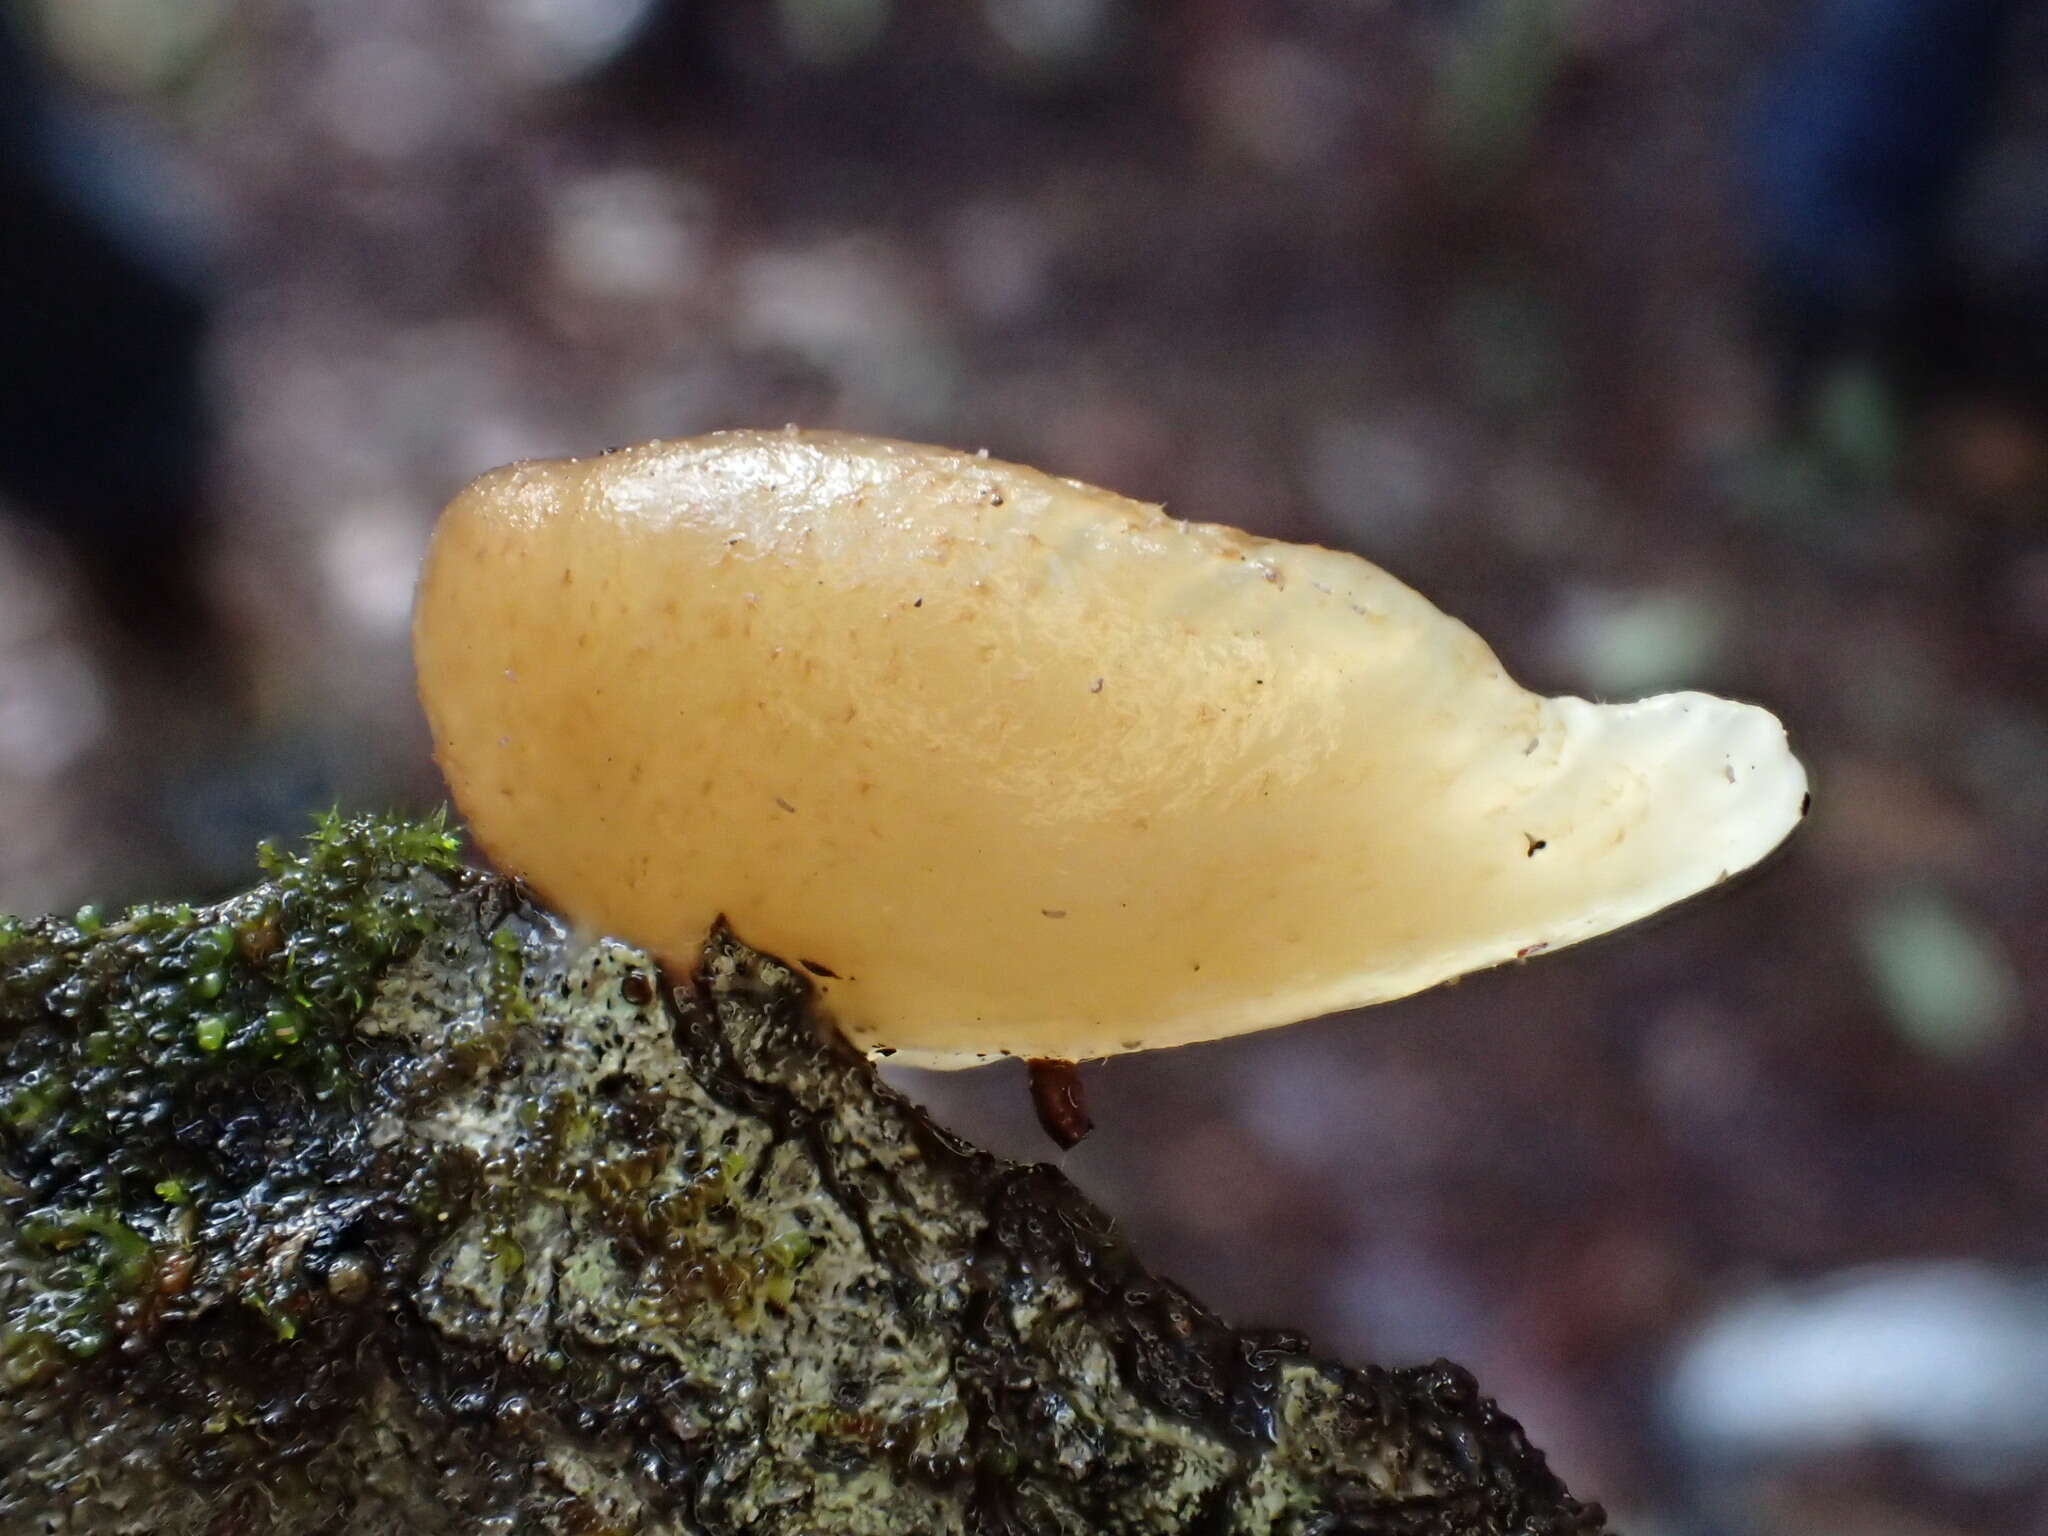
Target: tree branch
{"type": "Point", "coordinates": [374, 1201]}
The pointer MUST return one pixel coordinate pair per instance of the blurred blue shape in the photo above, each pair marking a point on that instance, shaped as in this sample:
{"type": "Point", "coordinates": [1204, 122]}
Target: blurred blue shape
{"type": "Point", "coordinates": [1861, 139]}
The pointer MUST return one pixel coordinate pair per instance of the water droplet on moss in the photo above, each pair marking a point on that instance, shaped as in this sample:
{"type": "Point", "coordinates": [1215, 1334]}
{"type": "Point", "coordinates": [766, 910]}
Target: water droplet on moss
{"type": "Point", "coordinates": [789, 1249]}
{"type": "Point", "coordinates": [214, 943]}
{"type": "Point", "coordinates": [348, 1278]}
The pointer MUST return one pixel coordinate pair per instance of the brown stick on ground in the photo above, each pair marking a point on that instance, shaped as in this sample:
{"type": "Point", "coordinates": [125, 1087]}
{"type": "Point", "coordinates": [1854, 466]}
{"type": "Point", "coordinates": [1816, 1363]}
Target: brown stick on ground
{"type": "Point", "coordinates": [371, 1201]}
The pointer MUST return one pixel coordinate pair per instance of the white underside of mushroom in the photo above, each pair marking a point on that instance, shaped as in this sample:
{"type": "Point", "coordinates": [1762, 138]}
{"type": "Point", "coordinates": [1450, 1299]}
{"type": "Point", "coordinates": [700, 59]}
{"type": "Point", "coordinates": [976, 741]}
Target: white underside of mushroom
{"type": "Point", "coordinates": [1022, 767]}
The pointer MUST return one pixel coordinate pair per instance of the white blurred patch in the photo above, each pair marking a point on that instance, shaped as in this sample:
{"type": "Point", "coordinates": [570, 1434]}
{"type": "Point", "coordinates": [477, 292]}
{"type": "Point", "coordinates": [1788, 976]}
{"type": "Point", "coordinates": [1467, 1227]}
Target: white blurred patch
{"type": "Point", "coordinates": [1626, 644]}
{"type": "Point", "coordinates": [1948, 1358]}
{"type": "Point", "coordinates": [387, 99]}
{"type": "Point", "coordinates": [630, 234]}
{"type": "Point", "coordinates": [552, 40]}
{"type": "Point", "coordinates": [827, 300]}
{"type": "Point", "coordinates": [855, 309]}
{"type": "Point", "coordinates": [53, 701]}
{"type": "Point", "coordinates": [451, 395]}
{"type": "Point", "coordinates": [369, 558]}
{"type": "Point", "coordinates": [52, 709]}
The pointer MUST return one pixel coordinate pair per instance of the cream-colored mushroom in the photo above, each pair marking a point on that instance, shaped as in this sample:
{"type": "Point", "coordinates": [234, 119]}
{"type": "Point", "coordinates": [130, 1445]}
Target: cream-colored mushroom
{"type": "Point", "coordinates": [1014, 765]}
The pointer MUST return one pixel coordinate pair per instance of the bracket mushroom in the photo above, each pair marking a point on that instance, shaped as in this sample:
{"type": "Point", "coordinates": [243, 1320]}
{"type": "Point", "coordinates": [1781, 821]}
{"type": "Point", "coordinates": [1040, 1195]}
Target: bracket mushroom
{"type": "Point", "coordinates": [1030, 768]}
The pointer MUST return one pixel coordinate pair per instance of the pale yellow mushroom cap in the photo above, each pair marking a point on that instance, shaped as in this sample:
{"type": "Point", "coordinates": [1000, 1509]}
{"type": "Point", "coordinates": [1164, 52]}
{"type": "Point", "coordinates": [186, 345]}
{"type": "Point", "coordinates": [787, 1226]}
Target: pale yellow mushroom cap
{"type": "Point", "coordinates": [1017, 765]}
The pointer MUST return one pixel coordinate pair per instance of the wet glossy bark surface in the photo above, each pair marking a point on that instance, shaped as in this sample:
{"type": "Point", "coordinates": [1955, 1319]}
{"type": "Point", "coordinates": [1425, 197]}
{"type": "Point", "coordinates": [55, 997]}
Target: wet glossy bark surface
{"type": "Point", "coordinates": [538, 1238]}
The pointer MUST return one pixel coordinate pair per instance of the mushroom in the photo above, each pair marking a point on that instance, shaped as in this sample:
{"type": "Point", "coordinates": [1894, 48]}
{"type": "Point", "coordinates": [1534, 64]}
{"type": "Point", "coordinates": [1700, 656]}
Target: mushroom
{"type": "Point", "coordinates": [1015, 766]}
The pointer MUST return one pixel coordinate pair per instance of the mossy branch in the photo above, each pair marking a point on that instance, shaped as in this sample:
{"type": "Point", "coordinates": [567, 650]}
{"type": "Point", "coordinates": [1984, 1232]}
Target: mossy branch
{"type": "Point", "coordinates": [372, 1201]}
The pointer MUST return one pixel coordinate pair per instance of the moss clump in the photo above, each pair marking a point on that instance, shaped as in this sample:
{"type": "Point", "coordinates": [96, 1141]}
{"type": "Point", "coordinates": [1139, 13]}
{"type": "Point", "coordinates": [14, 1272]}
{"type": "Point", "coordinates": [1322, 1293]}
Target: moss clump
{"type": "Point", "coordinates": [134, 1048]}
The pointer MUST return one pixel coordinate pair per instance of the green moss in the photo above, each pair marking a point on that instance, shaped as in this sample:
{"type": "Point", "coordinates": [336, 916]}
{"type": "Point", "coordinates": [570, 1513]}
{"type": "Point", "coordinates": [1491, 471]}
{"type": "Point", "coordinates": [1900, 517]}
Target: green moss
{"type": "Point", "coordinates": [135, 1044]}
{"type": "Point", "coordinates": [508, 975]}
{"type": "Point", "coordinates": [120, 1252]}
{"type": "Point", "coordinates": [281, 1322]}
{"type": "Point", "coordinates": [789, 1249]}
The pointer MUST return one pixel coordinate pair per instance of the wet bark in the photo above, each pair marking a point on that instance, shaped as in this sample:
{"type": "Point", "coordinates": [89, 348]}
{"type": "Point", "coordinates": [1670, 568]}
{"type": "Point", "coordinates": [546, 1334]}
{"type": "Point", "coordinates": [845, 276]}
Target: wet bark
{"type": "Point", "coordinates": [374, 1201]}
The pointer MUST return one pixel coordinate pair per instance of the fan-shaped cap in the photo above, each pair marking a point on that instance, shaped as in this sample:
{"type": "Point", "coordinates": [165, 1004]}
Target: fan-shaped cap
{"type": "Point", "coordinates": [1014, 765]}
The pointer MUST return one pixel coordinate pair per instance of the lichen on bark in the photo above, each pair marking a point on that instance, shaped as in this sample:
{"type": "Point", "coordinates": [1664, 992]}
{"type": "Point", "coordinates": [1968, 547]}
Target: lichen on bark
{"type": "Point", "coordinates": [374, 1200]}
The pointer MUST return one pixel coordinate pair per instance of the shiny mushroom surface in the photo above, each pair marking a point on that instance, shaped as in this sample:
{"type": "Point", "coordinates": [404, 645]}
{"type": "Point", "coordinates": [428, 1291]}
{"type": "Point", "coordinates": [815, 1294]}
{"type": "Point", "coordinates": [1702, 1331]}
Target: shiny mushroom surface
{"type": "Point", "coordinates": [1013, 765]}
